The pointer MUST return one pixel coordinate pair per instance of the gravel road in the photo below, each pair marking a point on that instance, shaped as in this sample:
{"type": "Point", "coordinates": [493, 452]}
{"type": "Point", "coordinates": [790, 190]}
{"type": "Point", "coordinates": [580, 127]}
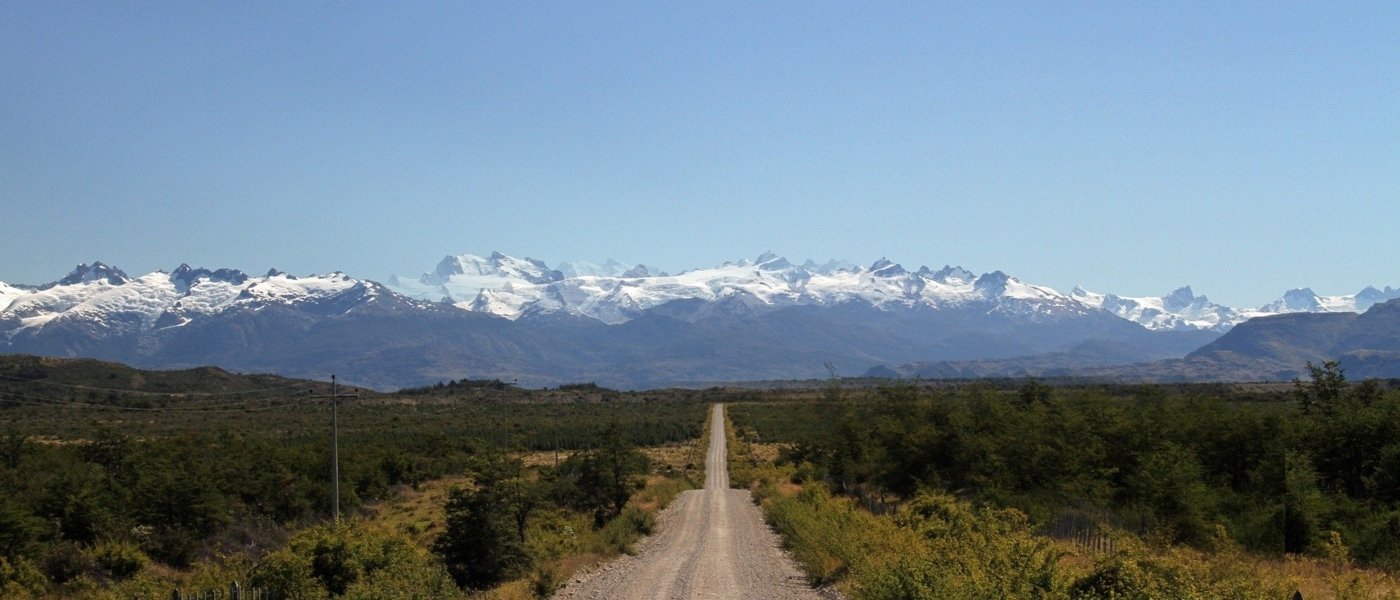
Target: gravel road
{"type": "Point", "coordinates": [712, 543]}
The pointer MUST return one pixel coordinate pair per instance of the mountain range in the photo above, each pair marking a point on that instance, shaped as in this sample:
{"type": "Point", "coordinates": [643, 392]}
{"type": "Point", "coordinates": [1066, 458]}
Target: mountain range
{"type": "Point", "coordinates": [635, 326]}
{"type": "Point", "coordinates": [616, 292]}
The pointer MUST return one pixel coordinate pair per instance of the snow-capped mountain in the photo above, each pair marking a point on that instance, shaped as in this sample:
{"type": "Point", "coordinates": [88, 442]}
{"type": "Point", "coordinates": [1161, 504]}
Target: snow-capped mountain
{"type": "Point", "coordinates": [503, 288]}
{"type": "Point", "coordinates": [609, 268]}
{"type": "Point", "coordinates": [8, 294]}
{"type": "Point", "coordinates": [98, 293]}
{"type": "Point", "coordinates": [464, 276]}
{"type": "Point", "coordinates": [615, 292]}
{"type": "Point", "coordinates": [619, 324]}
{"type": "Point", "coordinates": [755, 319]}
{"type": "Point", "coordinates": [1180, 310]}
{"type": "Point", "coordinates": [1305, 300]}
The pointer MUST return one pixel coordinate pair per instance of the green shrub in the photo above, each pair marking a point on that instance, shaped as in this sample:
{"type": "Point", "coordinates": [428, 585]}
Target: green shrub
{"type": "Point", "coordinates": [969, 553]}
{"type": "Point", "coordinates": [626, 528]}
{"type": "Point", "coordinates": [66, 561]}
{"type": "Point", "coordinates": [118, 560]}
{"type": "Point", "coordinates": [21, 579]}
{"type": "Point", "coordinates": [1118, 579]}
{"type": "Point", "coordinates": [544, 581]}
{"type": "Point", "coordinates": [350, 561]}
{"type": "Point", "coordinates": [831, 537]}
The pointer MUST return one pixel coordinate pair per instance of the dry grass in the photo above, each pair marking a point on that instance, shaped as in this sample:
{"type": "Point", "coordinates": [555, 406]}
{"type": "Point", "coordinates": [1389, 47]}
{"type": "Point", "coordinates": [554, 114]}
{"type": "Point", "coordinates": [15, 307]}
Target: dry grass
{"type": "Point", "coordinates": [1316, 578]}
{"type": "Point", "coordinates": [513, 590]}
{"type": "Point", "coordinates": [766, 452]}
{"type": "Point", "coordinates": [417, 513]}
{"type": "Point", "coordinates": [1319, 580]}
{"type": "Point", "coordinates": [677, 457]}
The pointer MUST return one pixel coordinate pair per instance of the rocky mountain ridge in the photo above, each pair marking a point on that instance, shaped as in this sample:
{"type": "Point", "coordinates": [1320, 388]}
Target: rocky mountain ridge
{"type": "Point", "coordinates": [623, 325]}
{"type": "Point", "coordinates": [511, 287]}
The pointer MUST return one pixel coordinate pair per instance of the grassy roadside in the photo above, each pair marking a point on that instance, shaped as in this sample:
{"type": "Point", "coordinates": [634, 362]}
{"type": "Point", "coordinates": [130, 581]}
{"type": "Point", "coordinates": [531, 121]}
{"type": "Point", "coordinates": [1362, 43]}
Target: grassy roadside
{"type": "Point", "coordinates": [938, 546]}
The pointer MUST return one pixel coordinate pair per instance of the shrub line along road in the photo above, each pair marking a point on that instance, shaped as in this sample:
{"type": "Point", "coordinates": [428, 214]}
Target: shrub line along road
{"type": "Point", "coordinates": [712, 543]}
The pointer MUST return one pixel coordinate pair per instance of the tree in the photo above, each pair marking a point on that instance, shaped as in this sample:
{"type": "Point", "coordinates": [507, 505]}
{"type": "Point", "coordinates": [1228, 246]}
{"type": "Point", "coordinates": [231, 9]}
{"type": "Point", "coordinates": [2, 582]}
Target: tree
{"type": "Point", "coordinates": [19, 530]}
{"type": "Point", "coordinates": [1169, 482]}
{"type": "Point", "coordinates": [1303, 504]}
{"type": "Point", "coordinates": [484, 540]}
{"type": "Point", "coordinates": [603, 479]}
{"type": "Point", "coordinates": [1034, 392]}
{"type": "Point", "coordinates": [1325, 390]}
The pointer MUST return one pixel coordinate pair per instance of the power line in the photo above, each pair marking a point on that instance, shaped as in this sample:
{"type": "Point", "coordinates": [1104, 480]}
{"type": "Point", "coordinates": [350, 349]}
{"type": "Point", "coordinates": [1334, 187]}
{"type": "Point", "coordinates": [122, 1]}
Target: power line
{"type": "Point", "coordinates": [335, 445]}
{"type": "Point", "coordinates": [244, 406]}
{"type": "Point", "coordinates": [150, 393]}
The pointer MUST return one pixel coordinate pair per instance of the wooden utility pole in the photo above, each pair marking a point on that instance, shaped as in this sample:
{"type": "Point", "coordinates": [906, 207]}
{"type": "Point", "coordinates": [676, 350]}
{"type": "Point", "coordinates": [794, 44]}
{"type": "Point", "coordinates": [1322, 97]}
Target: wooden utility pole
{"type": "Point", "coordinates": [335, 446]}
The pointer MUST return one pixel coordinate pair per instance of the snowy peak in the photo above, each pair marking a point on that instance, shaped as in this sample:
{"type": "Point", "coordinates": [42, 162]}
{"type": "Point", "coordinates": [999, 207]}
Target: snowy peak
{"type": "Point", "coordinates": [1371, 296]}
{"type": "Point", "coordinates": [158, 300]}
{"type": "Point", "coordinates": [886, 268]}
{"type": "Point", "coordinates": [1180, 299]}
{"type": "Point", "coordinates": [515, 288]}
{"type": "Point", "coordinates": [185, 277]}
{"type": "Point", "coordinates": [1305, 300]}
{"type": "Point", "coordinates": [829, 267]}
{"type": "Point", "coordinates": [772, 262]}
{"type": "Point", "coordinates": [953, 275]}
{"type": "Point", "coordinates": [285, 289]}
{"type": "Point", "coordinates": [609, 268]}
{"type": "Point", "coordinates": [8, 294]}
{"type": "Point", "coordinates": [497, 265]}
{"type": "Point", "coordinates": [1294, 300]}
{"type": "Point", "coordinates": [992, 285]}
{"type": "Point", "coordinates": [1181, 310]}
{"type": "Point", "coordinates": [462, 277]}
{"type": "Point", "coordinates": [96, 272]}
{"type": "Point", "coordinates": [637, 272]}
{"type": "Point", "coordinates": [614, 292]}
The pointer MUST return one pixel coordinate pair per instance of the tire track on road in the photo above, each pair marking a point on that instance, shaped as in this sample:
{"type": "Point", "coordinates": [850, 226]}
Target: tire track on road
{"type": "Point", "coordinates": [713, 543]}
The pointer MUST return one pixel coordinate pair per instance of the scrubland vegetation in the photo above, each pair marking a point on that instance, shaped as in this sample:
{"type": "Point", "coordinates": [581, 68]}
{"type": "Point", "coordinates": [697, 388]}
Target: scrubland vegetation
{"type": "Point", "coordinates": [126, 495]}
{"type": "Point", "coordinates": [980, 492]}
{"type": "Point", "coordinates": [482, 490]}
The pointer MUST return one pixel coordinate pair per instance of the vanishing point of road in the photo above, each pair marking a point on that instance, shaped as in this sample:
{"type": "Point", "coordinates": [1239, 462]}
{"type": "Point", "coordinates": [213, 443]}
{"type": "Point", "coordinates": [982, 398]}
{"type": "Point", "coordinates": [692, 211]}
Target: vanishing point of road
{"type": "Point", "coordinates": [712, 543]}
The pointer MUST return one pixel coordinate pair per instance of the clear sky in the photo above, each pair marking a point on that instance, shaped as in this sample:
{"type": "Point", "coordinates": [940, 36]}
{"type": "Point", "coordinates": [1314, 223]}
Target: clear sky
{"type": "Point", "coordinates": [1131, 147]}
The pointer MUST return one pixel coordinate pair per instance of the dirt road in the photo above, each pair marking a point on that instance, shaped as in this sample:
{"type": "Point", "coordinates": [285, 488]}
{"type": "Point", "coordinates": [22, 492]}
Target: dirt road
{"type": "Point", "coordinates": [712, 543]}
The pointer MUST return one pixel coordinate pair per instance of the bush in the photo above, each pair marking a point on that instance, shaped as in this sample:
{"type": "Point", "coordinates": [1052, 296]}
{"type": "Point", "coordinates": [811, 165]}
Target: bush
{"type": "Point", "coordinates": [544, 581]}
{"type": "Point", "coordinates": [830, 537]}
{"type": "Point", "coordinates": [66, 561]}
{"type": "Point", "coordinates": [1118, 579]}
{"type": "Point", "coordinates": [970, 553]}
{"type": "Point", "coordinates": [118, 560]}
{"type": "Point", "coordinates": [349, 561]}
{"type": "Point", "coordinates": [20, 579]}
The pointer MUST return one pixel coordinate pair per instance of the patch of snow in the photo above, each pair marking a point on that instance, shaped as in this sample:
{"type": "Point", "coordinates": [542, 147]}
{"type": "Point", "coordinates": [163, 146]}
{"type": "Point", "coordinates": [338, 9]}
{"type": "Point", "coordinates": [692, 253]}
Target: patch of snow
{"type": "Point", "coordinates": [8, 294]}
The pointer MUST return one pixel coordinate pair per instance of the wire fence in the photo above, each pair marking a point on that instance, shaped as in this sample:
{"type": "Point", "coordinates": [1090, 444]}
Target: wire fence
{"type": "Point", "coordinates": [234, 592]}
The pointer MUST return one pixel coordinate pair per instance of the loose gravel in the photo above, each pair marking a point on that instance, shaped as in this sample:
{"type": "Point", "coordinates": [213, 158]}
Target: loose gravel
{"type": "Point", "coordinates": [712, 543]}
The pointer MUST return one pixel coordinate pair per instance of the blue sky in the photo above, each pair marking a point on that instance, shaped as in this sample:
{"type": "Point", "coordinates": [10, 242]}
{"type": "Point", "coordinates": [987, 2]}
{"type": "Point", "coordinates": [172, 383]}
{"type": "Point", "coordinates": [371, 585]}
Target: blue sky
{"type": "Point", "coordinates": [1129, 147]}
